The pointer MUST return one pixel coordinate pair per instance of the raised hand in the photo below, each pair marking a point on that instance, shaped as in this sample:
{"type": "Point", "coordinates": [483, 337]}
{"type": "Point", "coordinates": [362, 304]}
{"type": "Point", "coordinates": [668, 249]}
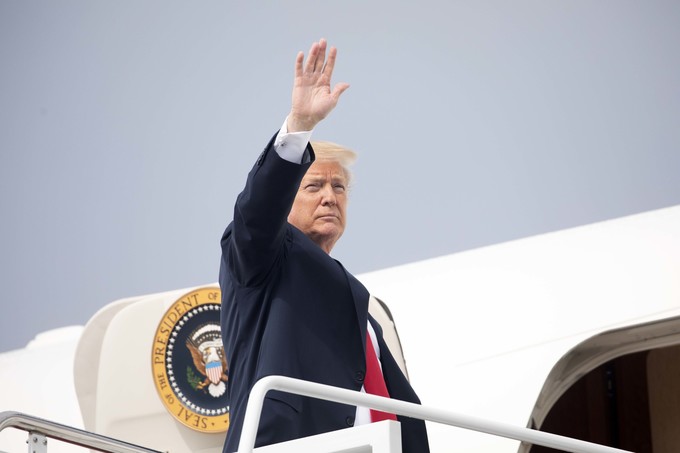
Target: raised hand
{"type": "Point", "coordinates": [313, 98]}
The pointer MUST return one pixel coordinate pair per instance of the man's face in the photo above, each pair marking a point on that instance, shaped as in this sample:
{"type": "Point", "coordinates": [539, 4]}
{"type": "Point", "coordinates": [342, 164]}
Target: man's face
{"type": "Point", "coordinates": [320, 204]}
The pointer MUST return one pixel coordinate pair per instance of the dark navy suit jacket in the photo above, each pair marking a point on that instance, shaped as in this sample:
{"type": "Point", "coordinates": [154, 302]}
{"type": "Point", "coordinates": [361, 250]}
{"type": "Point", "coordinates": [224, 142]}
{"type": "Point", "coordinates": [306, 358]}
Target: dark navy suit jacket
{"type": "Point", "coordinates": [290, 309]}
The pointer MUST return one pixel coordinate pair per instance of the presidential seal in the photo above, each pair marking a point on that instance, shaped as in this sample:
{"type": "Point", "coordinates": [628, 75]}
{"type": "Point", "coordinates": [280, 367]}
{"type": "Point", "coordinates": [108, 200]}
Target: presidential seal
{"type": "Point", "coordinates": [188, 362]}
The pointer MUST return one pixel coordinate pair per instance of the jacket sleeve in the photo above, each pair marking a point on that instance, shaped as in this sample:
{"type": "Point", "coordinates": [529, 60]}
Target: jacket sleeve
{"type": "Point", "coordinates": [255, 239]}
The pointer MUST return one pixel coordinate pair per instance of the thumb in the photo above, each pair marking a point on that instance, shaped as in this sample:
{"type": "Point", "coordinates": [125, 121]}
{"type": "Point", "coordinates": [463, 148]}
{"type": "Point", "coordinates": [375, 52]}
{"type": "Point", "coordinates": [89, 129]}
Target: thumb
{"type": "Point", "coordinates": [338, 89]}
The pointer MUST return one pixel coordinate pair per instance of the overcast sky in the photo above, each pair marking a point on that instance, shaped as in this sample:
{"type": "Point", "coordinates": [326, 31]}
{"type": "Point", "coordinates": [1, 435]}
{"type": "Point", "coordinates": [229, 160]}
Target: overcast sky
{"type": "Point", "coordinates": [127, 129]}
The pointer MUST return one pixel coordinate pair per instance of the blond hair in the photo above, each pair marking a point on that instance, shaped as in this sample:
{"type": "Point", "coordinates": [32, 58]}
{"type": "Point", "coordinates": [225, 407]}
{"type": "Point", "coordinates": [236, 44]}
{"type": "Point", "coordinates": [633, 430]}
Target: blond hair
{"type": "Point", "coordinates": [329, 151]}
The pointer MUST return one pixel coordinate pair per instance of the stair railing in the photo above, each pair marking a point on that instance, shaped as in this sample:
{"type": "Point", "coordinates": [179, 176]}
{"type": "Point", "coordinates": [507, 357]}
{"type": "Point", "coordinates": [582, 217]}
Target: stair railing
{"type": "Point", "coordinates": [40, 429]}
{"type": "Point", "coordinates": [340, 395]}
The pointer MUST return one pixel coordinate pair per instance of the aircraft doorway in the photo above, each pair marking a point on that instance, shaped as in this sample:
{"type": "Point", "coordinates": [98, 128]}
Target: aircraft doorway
{"type": "Point", "coordinates": [631, 402]}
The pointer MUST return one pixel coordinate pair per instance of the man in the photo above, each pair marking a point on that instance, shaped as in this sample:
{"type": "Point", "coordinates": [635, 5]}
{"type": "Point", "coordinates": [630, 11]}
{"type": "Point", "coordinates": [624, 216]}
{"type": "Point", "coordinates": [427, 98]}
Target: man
{"type": "Point", "coordinates": [288, 308]}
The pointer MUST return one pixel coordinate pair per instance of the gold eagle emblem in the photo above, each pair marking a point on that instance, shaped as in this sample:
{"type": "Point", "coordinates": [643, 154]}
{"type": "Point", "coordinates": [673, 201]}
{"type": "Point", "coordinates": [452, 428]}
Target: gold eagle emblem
{"type": "Point", "coordinates": [207, 352]}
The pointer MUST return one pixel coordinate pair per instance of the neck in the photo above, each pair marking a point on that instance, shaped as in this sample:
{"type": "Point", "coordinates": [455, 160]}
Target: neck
{"type": "Point", "coordinates": [326, 247]}
{"type": "Point", "coordinates": [326, 244]}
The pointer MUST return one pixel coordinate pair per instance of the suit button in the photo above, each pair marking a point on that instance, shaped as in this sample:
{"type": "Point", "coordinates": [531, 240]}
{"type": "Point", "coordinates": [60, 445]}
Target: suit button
{"type": "Point", "coordinates": [359, 376]}
{"type": "Point", "coordinates": [350, 421]}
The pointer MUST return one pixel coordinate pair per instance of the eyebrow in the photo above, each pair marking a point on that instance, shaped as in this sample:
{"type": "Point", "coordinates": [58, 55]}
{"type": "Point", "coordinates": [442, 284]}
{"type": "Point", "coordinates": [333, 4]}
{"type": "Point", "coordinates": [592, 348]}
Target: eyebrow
{"type": "Point", "coordinates": [315, 178]}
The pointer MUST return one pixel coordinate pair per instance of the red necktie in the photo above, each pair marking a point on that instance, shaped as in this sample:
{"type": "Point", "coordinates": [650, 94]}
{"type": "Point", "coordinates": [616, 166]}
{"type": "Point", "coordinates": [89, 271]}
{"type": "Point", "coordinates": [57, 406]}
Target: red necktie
{"type": "Point", "coordinates": [374, 382]}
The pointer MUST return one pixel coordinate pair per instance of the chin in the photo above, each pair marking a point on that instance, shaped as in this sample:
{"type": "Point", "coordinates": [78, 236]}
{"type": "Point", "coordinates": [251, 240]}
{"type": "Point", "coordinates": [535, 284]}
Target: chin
{"type": "Point", "coordinates": [333, 233]}
{"type": "Point", "coordinates": [326, 235]}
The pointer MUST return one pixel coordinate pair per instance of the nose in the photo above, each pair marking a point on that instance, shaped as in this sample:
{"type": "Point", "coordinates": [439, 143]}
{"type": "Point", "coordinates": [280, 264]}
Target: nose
{"type": "Point", "coordinates": [328, 197]}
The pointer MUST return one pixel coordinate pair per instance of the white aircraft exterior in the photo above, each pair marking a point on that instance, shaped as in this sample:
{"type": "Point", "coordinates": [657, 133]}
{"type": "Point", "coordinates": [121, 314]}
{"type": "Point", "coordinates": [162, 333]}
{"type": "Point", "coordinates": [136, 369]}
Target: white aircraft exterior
{"type": "Point", "coordinates": [575, 332]}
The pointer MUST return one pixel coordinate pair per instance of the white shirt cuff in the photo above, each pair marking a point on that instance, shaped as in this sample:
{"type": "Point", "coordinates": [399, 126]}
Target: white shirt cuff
{"type": "Point", "coordinates": [291, 145]}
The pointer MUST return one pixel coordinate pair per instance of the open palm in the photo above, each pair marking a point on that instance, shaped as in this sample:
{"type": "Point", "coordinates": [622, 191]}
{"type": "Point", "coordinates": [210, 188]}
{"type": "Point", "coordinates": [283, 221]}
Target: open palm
{"type": "Point", "coordinates": [312, 98]}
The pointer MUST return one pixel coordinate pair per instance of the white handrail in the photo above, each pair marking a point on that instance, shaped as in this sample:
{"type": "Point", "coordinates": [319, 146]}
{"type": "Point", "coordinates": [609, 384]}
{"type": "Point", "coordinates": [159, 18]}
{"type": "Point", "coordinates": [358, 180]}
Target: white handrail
{"type": "Point", "coordinates": [340, 395]}
{"type": "Point", "coordinates": [64, 433]}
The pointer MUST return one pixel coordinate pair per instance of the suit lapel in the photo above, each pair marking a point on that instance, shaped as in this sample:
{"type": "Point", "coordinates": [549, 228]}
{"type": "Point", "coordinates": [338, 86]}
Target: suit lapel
{"type": "Point", "coordinates": [360, 296]}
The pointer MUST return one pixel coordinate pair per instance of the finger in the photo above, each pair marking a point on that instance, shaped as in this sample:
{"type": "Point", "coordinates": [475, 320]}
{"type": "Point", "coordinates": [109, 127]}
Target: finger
{"type": "Point", "coordinates": [298, 64]}
{"type": "Point", "coordinates": [311, 57]}
{"type": "Point", "coordinates": [330, 63]}
{"type": "Point", "coordinates": [321, 56]}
